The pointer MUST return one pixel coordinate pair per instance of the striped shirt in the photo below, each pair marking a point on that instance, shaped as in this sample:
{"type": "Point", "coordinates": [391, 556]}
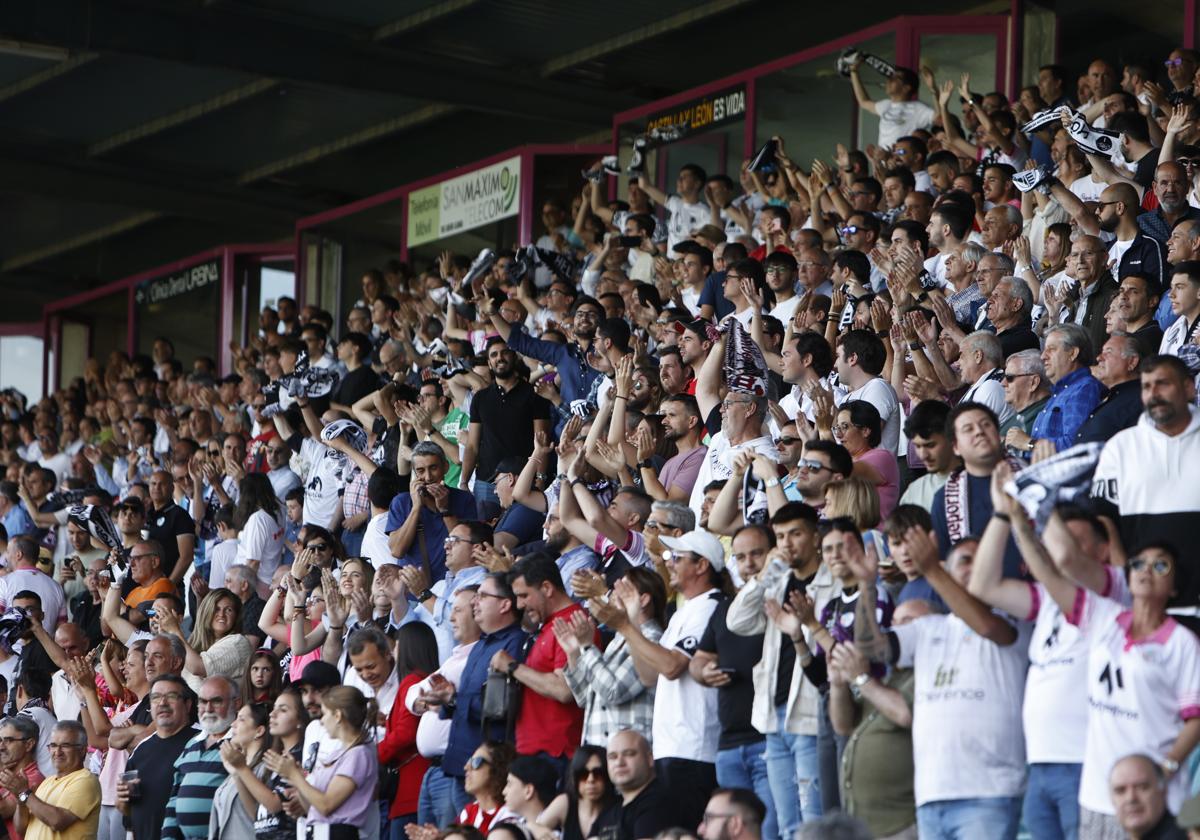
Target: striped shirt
{"type": "Point", "coordinates": [198, 774]}
{"type": "Point", "coordinates": [612, 694]}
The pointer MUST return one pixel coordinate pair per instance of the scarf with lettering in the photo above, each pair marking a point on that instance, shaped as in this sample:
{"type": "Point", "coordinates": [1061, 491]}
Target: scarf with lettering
{"type": "Point", "coordinates": [958, 516]}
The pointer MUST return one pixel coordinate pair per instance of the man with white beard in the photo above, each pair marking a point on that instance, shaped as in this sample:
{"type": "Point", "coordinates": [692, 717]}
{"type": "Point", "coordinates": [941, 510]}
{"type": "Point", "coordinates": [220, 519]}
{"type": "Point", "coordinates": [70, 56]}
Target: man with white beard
{"type": "Point", "coordinates": [199, 770]}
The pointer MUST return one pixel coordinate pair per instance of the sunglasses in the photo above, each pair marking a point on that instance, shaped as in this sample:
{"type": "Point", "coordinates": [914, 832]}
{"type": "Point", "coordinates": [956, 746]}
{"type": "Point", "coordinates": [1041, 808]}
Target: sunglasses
{"type": "Point", "coordinates": [788, 441]}
{"type": "Point", "coordinates": [850, 230]}
{"type": "Point", "coordinates": [590, 773]}
{"type": "Point", "coordinates": [1159, 567]}
{"type": "Point", "coordinates": [1013, 377]}
{"type": "Point", "coordinates": [812, 466]}
{"type": "Point", "coordinates": [318, 546]}
{"type": "Point", "coordinates": [476, 761]}
{"type": "Point", "coordinates": [1173, 62]}
{"type": "Point", "coordinates": [1188, 162]}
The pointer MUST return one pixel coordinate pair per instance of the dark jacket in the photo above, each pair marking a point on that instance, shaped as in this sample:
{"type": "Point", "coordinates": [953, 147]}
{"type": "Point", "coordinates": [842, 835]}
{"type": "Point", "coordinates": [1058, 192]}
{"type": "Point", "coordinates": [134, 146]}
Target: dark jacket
{"type": "Point", "coordinates": [1118, 409]}
{"type": "Point", "coordinates": [1146, 257]}
{"type": "Point", "coordinates": [466, 733]}
{"type": "Point", "coordinates": [1097, 307]}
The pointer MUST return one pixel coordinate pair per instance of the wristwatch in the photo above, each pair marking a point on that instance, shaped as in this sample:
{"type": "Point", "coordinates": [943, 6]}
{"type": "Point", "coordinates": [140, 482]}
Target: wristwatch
{"type": "Point", "coordinates": [24, 795]}
{"type": "Point", "coordinates": [426, 595]}
{"type": "Point", "coordinates": [514, 665]}
{"type": "Point", "coordinates": [1168, 764]}
{"type": "Point", "coordinates": [861, 680]}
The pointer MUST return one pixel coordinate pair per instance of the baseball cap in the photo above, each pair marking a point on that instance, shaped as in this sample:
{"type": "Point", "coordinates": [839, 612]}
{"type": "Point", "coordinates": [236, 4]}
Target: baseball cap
{"type": "Point", "coordinates": [319, 675]}
{"type": "Point", "coordinates": [699, 542]}
{"type": "Point", "coordinates": [699, 327]}
{"type": "Point", "coordinates": [511, 464]}
{"type": "Point", "coordinates": [710, 232]}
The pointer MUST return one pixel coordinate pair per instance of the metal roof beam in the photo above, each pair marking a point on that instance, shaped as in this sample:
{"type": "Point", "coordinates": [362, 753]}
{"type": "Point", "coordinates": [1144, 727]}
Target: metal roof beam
{"type": "Point", "coordinates": [424, 17]}
{"type": "Point", "coordinates": [207, 37]}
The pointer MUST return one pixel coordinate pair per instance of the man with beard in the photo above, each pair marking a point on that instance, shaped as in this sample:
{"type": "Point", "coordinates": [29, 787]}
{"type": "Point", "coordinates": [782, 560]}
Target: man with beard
{"type": "Point", "coordinates": [1132, 252]}
{"type": "Point", "coordinates": [647, 806]}
{"type": "Point", "coordinates": [570, 360]}
{"type": "Point", "coordinates": [1137, 299]}
{"type": "Point", "coordinates": [1141, 474]}
{"type": "Point", "coordinates": [550, 724]}
{"type": "Point", "coordinates": [144, 801]}
{"type": "Point", "coordinates": [780, 268]}
{"type": "Point", "coordinates": [675, 376]}
{"type": "Point", "coordinates": [694, 346]}
{"type": "Point", "coordinates": [199, 770]}
{"type": "Point", "coordinates": [573, 556]}
{"type": "Point", "coordinates": [505, 417]}
{"type": "Point", "coordinates": [683, 426]}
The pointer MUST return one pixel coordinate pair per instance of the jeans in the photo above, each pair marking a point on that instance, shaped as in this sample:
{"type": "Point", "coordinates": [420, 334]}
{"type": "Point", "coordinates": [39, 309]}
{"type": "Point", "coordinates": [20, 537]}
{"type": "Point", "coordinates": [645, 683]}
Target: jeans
{"type": "Point", "coordinates": [1051, 808]}
{"type": "Point", "coordinates": [745, 766]}
{"type": "Point", "coordinates": [690, 783]}
{"type": "Point", "coordinates": [485, 491]}
{"type": "Point", "coordinates": [352, 541]}
{"type": "Point", "coordinates": [829, 749]}
{"type": "Point", "coordinates": [396, 827]}
{"type": "Point", "coordinates": [993, 817]}
{"type": "Point", "coordinates": [111, 826]}
{"type": "Point", "coordinates": [435, 802]}
{"type": "Point", "coordinates": [459, 798]}
{"type": "Point", "coordinates": [792, 772]}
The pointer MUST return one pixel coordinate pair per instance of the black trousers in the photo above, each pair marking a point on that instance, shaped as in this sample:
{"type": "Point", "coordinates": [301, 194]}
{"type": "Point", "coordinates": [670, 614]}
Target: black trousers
{"type": "Point", "coordinates": [691, 783]}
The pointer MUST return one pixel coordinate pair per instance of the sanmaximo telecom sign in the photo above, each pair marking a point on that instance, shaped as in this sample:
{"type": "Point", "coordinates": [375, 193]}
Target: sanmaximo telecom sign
{"type": "Point", "coordinates": [465, 202]}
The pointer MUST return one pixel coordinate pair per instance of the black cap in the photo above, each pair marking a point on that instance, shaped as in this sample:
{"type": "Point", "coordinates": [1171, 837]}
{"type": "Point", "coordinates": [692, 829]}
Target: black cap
{"type": "Point", "coordinates": [134, 503]}
{"type": "Point", "coordinates": [510, 465]}
{"type": "Point", "coordinates": [231, 379]}
{"type": "Point", "coordinates": [319, 674]}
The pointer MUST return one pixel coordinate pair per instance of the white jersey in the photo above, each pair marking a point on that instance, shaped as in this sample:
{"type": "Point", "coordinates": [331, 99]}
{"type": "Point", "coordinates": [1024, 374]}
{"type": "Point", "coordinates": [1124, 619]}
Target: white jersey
{"type": "Point", "coordinates": [322, 485]}
{"type": "Point", "coordinates": [966, 710]}
{"type": "Point", "coordinates": [683, 218]}
{"type": "Point", "coordinates": [685, 712]}
{"type": "Point", "coordinates": [1140, 693]}
{"type": "Point", "coordinates": [717, 466]}
{"type": "Point", "coordinates": [989, 391]}
{"type": "Point", "coordinates": [262, 540]}
{"type": "Point", "coordinates": [1056, 710]}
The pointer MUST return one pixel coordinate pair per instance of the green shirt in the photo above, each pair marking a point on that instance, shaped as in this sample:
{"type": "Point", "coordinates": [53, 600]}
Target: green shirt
{"type": "Point", "coordinates": [454, 424]}
{"type": "Point", "coordinates": [1024, 418]}
{"type": "Point", "coordinates": [877, 767]}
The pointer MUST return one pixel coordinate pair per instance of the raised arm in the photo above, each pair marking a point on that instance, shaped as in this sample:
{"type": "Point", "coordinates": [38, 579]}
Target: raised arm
{"type": "Point", "coordinates": [923, 551]}
{"type": "Point", "coordinates": [708, 379]}
{"type": "Point", "coordinates": [860, 91]}
{"type": "Point", "coordinates": [652, 192]}
{"type": "Point", "coordinates": [987, 581]}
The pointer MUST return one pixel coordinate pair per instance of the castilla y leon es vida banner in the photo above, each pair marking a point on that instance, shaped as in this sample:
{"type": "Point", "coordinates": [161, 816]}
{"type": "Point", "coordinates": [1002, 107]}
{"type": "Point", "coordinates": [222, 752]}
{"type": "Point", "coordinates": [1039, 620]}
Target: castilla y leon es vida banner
{"type": "Point", "coordinates": [464, 202]}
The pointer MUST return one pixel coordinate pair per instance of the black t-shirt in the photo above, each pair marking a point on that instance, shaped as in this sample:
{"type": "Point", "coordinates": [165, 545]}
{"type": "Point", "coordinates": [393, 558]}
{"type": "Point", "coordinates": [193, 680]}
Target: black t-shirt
{"type": "Point", "coordinates": [1017, 339]}
{"type": "Point", "coordinates": [787, 649]}
{"type": "Point", "coordinates": [86, 615]}
{"type": "Point", "coordinates": [650, 812]}
{"type": "Point", "coordinates": [355, 385]}
{"type": "Point", "coordinates": [1143, 174]}
{"type": "Point", "coordinates": [166, 526]}
{"type": "Point", "coordinates": [153, 759]}
{"type": "Point", "coordinates": [506, 424]}
{"type": "Point", "coordinates": [735, 700]}
{"type": "Point", "coordinates": [251, 612]}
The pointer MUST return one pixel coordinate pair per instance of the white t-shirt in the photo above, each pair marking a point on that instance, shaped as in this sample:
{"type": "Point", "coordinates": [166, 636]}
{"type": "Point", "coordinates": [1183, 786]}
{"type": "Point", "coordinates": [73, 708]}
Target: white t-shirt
{"type": "Point", "coordinates": [966, 725]}
{"type": "Point", "coordinates": [375, 541]}
{"type": "Point", "coordinates": [222, 555]}
{"type": "Point", "coordinates": [1056, 709]}
{"type": "Point", "coordinates": [685, 712]}
{"type": "Point", "coordinates": [786, 310]}
{"type": "Point", "coordinates": [990, 392]}
{"type": "Point", "coordinates": [45, 721]}
{"type": "Point", "coordinates": [262, 540]}
{"type": "Point", "coordinates": [1087, 188]}
{"type": "Point", "coordinates": [1115, 252]}
{"type": "Point", "coordinates": [881, 395]}
{"type": "Point", "coordinates": [1139, 695]}
{"type": "Point", "coordinates": [691, 299]}
{"type": "Point", "coordinates": [716, 463]}
{"type": "Point", "coordinates": [900, 119]}
{"type": "Point", "coordinates": [323, 489]}
{"type": "Point", "coordinates": [683, 218]}
{"type": "Point", "coordinates": [54, 602]}
{"type": "Point", "coordinates": [59, 464]}
{"type": "Point", "coordinates": [283, 481]}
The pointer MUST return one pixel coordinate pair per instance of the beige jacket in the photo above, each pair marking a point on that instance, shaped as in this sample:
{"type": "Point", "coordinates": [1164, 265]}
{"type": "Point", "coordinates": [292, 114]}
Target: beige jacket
{"type": "Point", "coordinates": [747, 617]}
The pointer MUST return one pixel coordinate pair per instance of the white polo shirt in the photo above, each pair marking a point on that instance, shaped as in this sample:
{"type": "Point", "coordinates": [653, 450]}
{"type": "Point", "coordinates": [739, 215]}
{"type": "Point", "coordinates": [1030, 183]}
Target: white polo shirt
{"type": "Point", "coordinates": [685, 712]}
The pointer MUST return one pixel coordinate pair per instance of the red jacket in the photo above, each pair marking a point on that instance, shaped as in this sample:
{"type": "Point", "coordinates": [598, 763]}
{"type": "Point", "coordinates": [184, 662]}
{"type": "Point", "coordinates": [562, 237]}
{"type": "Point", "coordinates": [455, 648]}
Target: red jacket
{"type": "Point", "coordinates": [399, 749]}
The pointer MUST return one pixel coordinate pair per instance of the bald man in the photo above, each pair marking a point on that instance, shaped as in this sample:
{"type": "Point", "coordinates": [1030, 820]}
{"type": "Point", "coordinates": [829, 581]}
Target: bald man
{"type": "Point", "coordinates": [647, 807]}
{"type": "Point", "coordinates": [1139, 794]}
{"type": "Point", "coordinates": [1132, 252]}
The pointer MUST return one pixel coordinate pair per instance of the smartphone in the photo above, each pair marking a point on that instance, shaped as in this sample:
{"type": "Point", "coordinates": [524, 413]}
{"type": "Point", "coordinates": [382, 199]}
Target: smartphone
{"type": "Point", "coordinates": [630, 241]}
{"type": "Point", "coordinates": [729, 672]}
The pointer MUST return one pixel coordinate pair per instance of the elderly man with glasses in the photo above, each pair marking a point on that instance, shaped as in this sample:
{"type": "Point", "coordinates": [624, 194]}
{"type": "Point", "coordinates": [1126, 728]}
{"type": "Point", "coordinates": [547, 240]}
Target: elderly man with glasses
{"type": "Point", "coordinates": [198, 770]}
{"type": "Point", "coordinates": [18, 740]}
{"type": "Point", "coordinates": [145, 787]}
{"type": "Point", "coordinates": [70, 797]}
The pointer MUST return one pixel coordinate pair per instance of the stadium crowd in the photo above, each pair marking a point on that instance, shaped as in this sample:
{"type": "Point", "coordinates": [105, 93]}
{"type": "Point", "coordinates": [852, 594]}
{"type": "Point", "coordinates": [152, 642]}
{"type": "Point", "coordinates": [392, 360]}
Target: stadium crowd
{"type": "Point", "coordinates": [845, 500]}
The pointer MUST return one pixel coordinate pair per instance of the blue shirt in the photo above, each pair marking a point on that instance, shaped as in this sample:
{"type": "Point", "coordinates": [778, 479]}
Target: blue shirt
{"type": "Point", "coordinates": [713, 294]}
{"type": "Point", "coordinates": [522, 522]}
{"type": "Point", "coordinates": [1072, 399]}
{"type": "Point", "coordinates": [17, 521]}
{"type": "Point", "coordinates": [574, 373]}
{"type": "Point", "coordinates": [466, 732]}
{"type": "Point", "coordinates": [578, 558]}
{"type": "Point", "coordinates": [432, 528]}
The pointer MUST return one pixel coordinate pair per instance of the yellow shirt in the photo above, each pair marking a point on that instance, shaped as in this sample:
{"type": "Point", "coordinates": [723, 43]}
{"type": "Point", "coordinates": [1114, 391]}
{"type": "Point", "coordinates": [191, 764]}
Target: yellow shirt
{"type": "Point", "coordinates": [77, 792]}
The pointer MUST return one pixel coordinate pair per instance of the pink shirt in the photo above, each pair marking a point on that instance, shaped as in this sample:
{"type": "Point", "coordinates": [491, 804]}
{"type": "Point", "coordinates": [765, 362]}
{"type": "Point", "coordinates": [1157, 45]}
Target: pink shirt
{"type": "Point", "coordinates": [885, 464]}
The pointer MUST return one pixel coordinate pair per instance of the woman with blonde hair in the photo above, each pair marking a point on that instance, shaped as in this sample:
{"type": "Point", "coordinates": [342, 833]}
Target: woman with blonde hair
{"type": "Point", "coordinates": [216, 646]}
{"type": "Point", "coordinates": [854, 498]}
{"type": "Point", "coordinates": [339, 792]}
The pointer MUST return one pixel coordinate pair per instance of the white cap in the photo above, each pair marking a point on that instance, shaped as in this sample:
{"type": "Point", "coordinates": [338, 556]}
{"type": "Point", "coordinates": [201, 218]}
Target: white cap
{"type": "Point", "coordinates": [699, 542]}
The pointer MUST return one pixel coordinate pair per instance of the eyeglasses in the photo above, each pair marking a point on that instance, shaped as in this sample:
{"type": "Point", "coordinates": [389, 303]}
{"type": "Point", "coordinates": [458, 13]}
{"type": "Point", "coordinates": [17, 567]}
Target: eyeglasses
{"type": "Point", "coordinates": [842, 427]}
{"type": "Point", "coordinates": [481, 594]}
{"type": "Point", "coordinates": [779, 269]}
{"type": "Point", "coordinates": [590, 773]}
{"type": "Point", "coordinates": [451, 540]}
{"type": "Point", "coordinates": [142, 556]}
{"type": "Point", "coordinates": [1159, 567]}
{"type": "Point", "coordinates": [788, 441]}
{"type": "Point", "coordinates": [60, 747]}
{"type": "Point", "coordinates": [169, 697]}
{"type": "Point", "coordinates": [710, 817]}
{"type": "Point", "coordinates": [677, 556]}
{"type": "Point", "coordinates": [726, 403]}
{"type": "Point", "coordinates": [812, 466]}
{"type": "Point", "coordinates": [652, 525]}
{"type": "Point", "coordinates": [476, 761]}
{"type": "Point", "coordinates": [900, 152]}
{"type": "Point", "coordinates": [7, 741]}
{"type": "Point", "coordinates": [1188, 162]}
{"type": "Point", "coordinates": [1010, 377]}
